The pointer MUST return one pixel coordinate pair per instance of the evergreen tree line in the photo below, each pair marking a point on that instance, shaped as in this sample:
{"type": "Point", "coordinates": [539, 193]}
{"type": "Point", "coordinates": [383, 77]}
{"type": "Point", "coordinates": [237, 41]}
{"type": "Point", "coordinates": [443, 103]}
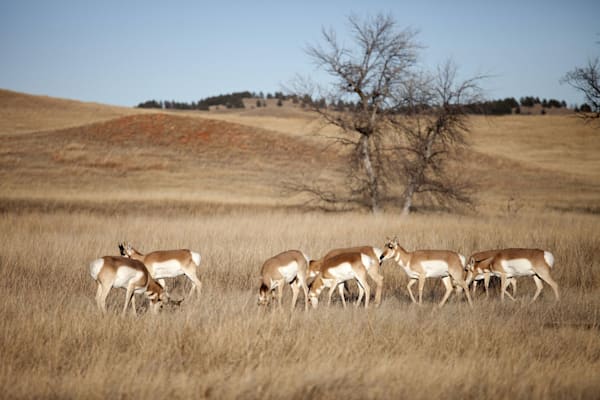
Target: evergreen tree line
{"type": "Point", "coordinates": [508, 105]}
{"type": "Point", "coordinates": [231, 100]}
{"type": "Point", "coordinates": [530, 101]}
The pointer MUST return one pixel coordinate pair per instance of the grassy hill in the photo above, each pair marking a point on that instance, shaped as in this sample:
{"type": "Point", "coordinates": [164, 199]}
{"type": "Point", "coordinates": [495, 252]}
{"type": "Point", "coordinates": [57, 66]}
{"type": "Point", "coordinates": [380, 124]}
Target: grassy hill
{"type": "Point", "coordinates": [71, 151]}
{"type": "Point", "coordinates": [23, 113]}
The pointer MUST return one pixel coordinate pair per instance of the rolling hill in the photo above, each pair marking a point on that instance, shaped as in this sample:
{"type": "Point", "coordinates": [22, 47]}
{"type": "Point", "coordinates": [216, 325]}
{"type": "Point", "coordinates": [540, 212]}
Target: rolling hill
{"type": "Point", "coordinates": [70, 152]}
{"type": "Point", "coordinates": [23, 113]}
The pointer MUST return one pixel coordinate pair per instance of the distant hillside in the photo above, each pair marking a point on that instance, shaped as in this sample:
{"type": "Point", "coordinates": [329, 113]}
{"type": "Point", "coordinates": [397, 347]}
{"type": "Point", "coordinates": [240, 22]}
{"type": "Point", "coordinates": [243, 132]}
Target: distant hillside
{"type": "Point", "coordinates": [247, 156]}
{"type": "Point", "coordinates": [23, 113]}
{"type": "Point", "coordinates": [160, 156]}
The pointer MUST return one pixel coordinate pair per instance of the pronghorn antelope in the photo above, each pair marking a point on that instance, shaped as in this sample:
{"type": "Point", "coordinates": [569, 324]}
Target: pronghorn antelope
{"type": "Point", "coordinates": [372, 261]}
{"type": "Point", "coordinates": [168, 264]}
{"type": "Point", "coordinates": [132, 275]}
{"type": "Point", "coordinates": [512, 263]}
{"type": "Point", "coordinates": [421, 264]}
{"type": "Point", "coordinates": [336, 270]}
{"type": "Point", "coordinates": [478, 269]}
{"type": "Point", "coordinates": [291, 267]}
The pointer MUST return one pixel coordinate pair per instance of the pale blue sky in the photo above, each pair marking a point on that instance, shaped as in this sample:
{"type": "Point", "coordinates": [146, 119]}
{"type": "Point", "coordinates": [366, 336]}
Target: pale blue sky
{"type": "Point", "coordinates": [124, 52]}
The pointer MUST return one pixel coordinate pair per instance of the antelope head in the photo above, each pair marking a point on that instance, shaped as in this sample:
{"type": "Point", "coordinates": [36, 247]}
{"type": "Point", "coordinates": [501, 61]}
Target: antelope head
{"type": "Point", "coordinates": [263, 295]}
{"type": "Point", "coordinates": [314, 291]}
{"type": "Point", "coordinates": [389, 249]}
{"type": "Point", "coordinates": [126, 249]}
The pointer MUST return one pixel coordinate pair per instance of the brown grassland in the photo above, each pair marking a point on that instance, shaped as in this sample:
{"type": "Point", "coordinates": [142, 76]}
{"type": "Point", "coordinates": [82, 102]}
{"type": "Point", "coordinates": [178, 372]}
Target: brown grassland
{"type": "Point", "coordinates": [71, 189]}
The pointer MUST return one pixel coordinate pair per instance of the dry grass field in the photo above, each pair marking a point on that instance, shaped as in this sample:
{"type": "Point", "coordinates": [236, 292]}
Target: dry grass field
{"type": "Point", "coordinates": [70, 193]}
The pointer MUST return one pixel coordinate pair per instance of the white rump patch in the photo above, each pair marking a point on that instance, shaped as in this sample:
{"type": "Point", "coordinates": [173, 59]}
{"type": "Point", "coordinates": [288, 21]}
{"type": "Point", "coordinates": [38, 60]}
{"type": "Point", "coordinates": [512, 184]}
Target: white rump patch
{"type": "Point", "coordinates": [517, 267]}
{"type": "Point", "coordinates": [463, 260]}
{"type": "Point", "coordinates": [549, 257]}
{"type": "Point", "coordinates": [196, 258]}
{"type": "Point", "coordinates": [289, 271]}
{"type": "Point", "coordinates": [95, 267]}
{"type": "Point", "coordinates": [435, 268]}
{"type": "Point", "coordinates": [166, 269]}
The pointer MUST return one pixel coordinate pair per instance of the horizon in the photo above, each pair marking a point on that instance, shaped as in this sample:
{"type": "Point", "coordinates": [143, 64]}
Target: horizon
{"type": "Point", "coordinates": [125, 54]}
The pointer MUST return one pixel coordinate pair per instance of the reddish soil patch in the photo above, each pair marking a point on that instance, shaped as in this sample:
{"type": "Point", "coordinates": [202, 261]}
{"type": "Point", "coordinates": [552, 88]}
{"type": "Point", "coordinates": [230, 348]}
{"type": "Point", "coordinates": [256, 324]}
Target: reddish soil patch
{"type": "Point", "coordinates": [196, 134]}
{"type": "Point", "coordinates": [174, 150]}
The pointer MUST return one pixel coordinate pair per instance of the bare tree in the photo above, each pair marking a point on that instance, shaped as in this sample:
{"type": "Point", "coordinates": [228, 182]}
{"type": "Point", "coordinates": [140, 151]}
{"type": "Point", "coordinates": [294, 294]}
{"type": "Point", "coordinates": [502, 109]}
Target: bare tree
{"type": "Point", "coordinates": [403, 126]}
{"type": "Point", "coordinates": [587, 81]}
{"type": "Point", "coordinates": [432, 126]}
{"type": "Point", "coordinates": [366, 74]}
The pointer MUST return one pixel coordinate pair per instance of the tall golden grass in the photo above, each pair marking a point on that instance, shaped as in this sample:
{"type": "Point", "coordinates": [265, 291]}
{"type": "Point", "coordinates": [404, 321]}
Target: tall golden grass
{"type": "Point", "coordinates": [54, 343]}
{"type": "Point", "coordinates": [68, 196]}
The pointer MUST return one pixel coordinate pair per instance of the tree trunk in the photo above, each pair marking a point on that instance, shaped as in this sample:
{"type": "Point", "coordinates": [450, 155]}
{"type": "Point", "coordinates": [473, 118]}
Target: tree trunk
{"type": "Point", "coordinates": [416, 179]}
{"type": "Point", "coordinates": [408, 198]}
{"type": "Point", "coordinates": [373, 186]}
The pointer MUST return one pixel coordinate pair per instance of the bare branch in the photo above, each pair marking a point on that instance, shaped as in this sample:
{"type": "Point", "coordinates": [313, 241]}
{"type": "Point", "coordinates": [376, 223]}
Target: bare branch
{"type": "Point", "coordinates": [434, 127]}
{"type": "Point", "coordinates": [587, 81]}
{"type": "Point", "coordinates": [321, 198]}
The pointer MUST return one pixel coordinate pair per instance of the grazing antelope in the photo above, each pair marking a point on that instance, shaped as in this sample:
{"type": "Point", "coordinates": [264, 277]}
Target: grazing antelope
{"type": "Point", "coordinates": [291, 267]}
{"type": "Point", "coordinates": [336, 270]}
{"type": "Point", "coordinates": [512, 263]}
{"type": "Point", "coordinates": [422, 264]}
{"type": "Point", "coordinates": [478, 269]}
{"type": "Point", "coordinates": [168, 264]}
{"type": "Point", "coordinates": [132, 275]}
{"type": "Point", "coordinates": [372, 262]}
